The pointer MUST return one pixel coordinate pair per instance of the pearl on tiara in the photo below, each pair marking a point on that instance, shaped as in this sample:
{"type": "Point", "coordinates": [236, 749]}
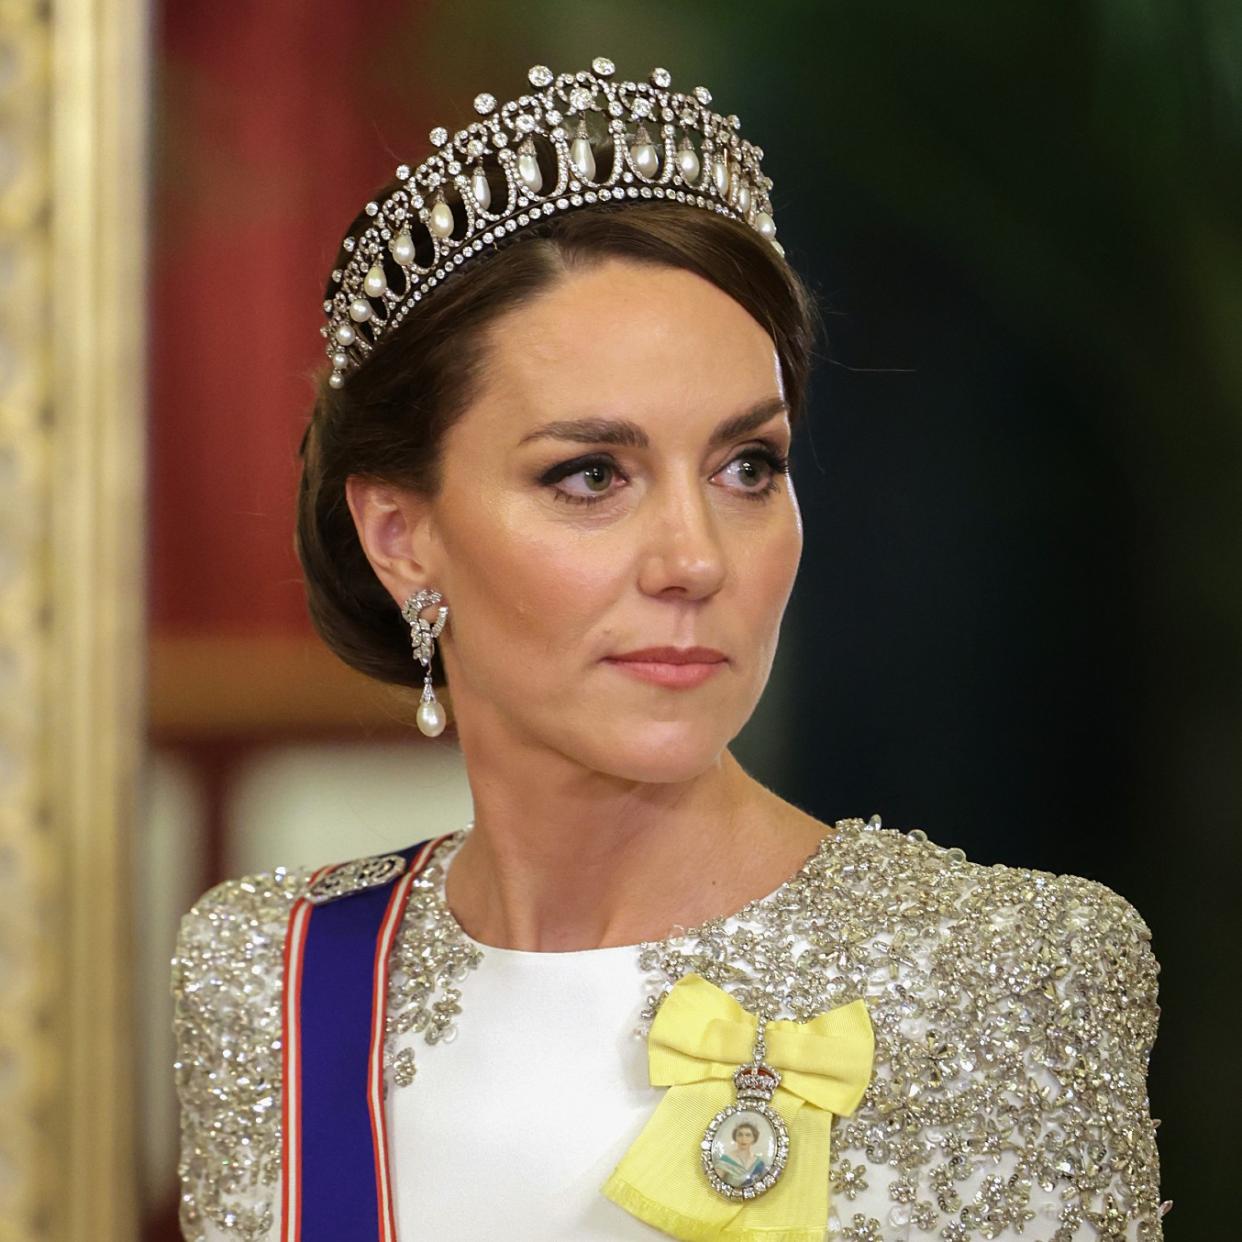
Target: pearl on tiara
{"type": "Point", "coordinates": [440, 219]}
{"type": "Point", "coordinates": [660, 143]}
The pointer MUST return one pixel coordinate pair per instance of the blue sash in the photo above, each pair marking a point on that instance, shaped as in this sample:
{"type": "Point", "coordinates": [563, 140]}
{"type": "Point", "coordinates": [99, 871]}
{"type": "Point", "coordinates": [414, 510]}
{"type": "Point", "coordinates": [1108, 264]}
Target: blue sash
{"type": "Point", "coordinates": [334, 1149]}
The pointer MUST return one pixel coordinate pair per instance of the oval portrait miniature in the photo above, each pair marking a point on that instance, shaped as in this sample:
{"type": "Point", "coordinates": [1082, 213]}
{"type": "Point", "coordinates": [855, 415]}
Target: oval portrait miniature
{"type": "Point", "coordinates": [744, 1151]}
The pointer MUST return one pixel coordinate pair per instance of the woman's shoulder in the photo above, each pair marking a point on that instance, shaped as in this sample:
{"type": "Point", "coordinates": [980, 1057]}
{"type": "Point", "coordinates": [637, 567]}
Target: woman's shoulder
{"type": "Point", "coordinates": [1015, 1012]}
{"type": "Point", "coordinates": [1008, 929]}
{"type": "Point", "coordinates": [251, 901]}
{"type": "Point", "coordinates": [226, 986]}
{"type": "Point", "coordinates": [232, 927]}
{"type": "Point", "coordinates": [908, 866]}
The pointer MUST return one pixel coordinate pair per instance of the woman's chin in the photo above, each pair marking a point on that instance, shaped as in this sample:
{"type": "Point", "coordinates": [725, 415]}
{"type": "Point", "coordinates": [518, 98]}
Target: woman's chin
{"type": "Point", "coordinates": [658, 754]}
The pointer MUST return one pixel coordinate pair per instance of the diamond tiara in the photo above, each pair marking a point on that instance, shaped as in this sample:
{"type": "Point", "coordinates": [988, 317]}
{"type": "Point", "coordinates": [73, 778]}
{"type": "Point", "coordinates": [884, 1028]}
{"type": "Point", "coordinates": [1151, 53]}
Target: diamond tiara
{"type": "Point", "coordinates": [678, 149]}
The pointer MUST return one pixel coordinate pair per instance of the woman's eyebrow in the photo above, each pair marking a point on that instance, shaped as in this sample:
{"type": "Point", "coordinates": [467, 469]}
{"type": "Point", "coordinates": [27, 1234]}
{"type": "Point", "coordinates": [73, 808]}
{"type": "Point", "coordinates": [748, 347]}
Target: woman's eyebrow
{"type": "Point", "coordinates": [622, 432]}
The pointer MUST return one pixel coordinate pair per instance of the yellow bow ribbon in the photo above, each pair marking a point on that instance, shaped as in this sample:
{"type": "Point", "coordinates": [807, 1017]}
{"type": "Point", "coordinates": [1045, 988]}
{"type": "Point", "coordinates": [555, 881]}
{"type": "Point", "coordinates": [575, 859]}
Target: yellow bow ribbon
{"type": "Point", "coordinates": [698, 1039]}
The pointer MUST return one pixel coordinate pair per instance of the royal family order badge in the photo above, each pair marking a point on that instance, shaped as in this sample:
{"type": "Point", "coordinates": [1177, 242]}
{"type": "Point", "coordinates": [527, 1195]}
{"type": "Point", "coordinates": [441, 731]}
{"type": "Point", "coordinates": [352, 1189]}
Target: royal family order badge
{"type": "Point", "coordinates": [746, 1146]}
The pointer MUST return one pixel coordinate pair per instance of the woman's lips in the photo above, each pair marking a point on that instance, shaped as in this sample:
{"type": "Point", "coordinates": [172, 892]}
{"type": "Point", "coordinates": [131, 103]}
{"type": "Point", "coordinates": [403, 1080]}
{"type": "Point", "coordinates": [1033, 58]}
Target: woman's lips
{"type": "Point", "coordinates": [670, 667]}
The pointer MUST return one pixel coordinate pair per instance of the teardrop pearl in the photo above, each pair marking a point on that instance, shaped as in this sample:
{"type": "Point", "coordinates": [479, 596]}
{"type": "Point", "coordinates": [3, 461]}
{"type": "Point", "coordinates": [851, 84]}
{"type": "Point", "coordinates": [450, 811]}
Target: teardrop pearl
{"type": "Point", "coordinates": [583, 158]}
{"type": "Point", "coordinates": [376, 283]}
{"type": "Point", "coordinates": [743, 198]}
{"type": "Point", "coordinates": [645, 158]}
{"type": "Point", "coordinates": [688, 162]}
{"type": "Point", "coordinates": [720, 173]}
{"type": "Point", "coordinates": [336, 380]}
{"type": "Point", "coordinates": [402, 248]}
{"type": "Point", "coordinates": [440, 221]}
{"type": "Point", "coordinates": [345, 334]}
{"type": "Point", "coordinates": [528, 170]}
{"type": "Point", "coordinates": [480, 189]}
{"type": "Point", "coordinates": [431, 718]}
{"type": "Point", "coordinates": [765, 224]}
{"type": "Point", "coordinates": [360, 310]}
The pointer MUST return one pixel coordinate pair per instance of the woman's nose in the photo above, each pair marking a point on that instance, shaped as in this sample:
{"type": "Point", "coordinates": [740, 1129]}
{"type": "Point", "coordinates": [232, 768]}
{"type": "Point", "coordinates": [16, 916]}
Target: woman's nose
{"type": "Point", "coordinates": [683, 551]}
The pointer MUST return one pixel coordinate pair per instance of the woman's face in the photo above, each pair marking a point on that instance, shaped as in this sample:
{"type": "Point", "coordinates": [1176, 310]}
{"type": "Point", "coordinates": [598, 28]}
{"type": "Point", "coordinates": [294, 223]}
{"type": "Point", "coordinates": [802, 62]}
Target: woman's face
{"type": "Point", "coordinates": [745, 1138]}
{"type": "Point", "coordinates": [595, 501]}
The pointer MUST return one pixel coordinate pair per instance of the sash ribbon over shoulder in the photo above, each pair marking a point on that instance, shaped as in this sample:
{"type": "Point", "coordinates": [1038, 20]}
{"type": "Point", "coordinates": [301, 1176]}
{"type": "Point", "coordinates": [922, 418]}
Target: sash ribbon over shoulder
{"type": "Point", "coordinates": [335, 1181]}
{"type": "Point", "coordinates": [699, 1037]}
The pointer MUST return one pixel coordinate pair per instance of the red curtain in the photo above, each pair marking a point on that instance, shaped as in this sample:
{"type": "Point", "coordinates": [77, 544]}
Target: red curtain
{"type": "Point", "coordinates": [274, 121]}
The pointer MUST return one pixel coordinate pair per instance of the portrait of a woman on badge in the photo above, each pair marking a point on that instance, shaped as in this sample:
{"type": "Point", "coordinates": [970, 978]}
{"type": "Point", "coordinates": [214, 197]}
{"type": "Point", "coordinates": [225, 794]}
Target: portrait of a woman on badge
{"type": "Point", "coordinates": [744, 1154]}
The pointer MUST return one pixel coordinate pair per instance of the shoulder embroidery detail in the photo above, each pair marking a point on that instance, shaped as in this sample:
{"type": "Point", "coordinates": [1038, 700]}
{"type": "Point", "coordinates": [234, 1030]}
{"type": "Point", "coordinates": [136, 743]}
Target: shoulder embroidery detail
{"type": "Point", "coordinates": [355, 877]}
{"type": "Point", "coordinates": [430, 959]}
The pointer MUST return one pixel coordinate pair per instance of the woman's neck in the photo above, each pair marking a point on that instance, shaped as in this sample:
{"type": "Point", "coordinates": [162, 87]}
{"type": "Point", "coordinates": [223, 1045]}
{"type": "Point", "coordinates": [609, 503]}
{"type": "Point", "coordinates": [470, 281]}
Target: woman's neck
{"type": "Point", "coordinates": [598, 862]}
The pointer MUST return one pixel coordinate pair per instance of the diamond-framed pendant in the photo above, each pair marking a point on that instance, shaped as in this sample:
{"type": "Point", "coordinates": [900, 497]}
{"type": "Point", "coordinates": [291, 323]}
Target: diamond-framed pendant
{"type": "Point", "coordinates": [746, 1146]}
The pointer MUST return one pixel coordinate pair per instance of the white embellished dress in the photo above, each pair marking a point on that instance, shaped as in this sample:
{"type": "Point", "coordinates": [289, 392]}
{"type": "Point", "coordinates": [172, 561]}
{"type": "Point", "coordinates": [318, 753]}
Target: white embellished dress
{"type": "Point", "coordinates": [1014, 1014]}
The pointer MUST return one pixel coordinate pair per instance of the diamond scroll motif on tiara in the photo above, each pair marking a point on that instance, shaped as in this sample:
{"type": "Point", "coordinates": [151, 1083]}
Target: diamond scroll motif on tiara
{"type": "Point", "coordinates": [580, 139]}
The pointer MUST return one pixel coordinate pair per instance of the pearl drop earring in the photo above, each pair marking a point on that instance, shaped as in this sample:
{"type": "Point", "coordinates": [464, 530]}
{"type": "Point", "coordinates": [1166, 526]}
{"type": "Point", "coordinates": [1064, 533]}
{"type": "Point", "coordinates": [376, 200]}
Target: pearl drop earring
{"type": "Point", "coordinates": [431, 715]}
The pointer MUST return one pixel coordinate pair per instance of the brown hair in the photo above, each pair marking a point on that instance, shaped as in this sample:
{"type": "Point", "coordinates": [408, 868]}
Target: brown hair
{"type": "Point", "coordinates": [389, 419]}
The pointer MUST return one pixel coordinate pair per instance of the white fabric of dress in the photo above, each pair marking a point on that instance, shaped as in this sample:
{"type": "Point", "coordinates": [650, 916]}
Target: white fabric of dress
{"type": "Point", "coordinates": [563, 1094]}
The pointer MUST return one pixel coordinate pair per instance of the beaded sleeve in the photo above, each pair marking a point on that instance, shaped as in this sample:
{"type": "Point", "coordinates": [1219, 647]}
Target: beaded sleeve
{"type": "Point", "coordinates": [1062, 1146]}
{"type": "Point", "coordinates": [226, 985]}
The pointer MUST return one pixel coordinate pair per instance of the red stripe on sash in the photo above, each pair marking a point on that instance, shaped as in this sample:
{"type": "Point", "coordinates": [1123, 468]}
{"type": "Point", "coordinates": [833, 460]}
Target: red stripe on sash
{"type": "Point", "coordinates": [375, 1079]}
{"type": "Point", "coordinates": [291, 1069]}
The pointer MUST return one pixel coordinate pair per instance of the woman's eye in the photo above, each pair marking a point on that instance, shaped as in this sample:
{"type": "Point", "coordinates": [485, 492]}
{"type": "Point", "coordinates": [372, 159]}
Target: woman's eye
{"type": "Point", "coordinates": [596, 477]}
{"type": "Point", "coordinates": [757, 470]}
{"type": "Point", "coordinates": [582, 482]}
{"type": "Point", "coordinates": [751, 470]}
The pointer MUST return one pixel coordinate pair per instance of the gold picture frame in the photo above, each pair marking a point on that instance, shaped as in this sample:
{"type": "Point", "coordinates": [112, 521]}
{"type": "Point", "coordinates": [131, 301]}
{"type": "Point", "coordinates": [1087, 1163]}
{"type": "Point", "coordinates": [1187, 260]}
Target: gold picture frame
{"type": "Point", "coordinates": [73, 187]}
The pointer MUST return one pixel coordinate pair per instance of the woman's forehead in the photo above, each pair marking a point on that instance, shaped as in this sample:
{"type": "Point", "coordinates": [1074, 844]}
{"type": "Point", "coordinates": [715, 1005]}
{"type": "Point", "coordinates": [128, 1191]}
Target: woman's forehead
{"type": "Point", "coordinates": [632, 341]}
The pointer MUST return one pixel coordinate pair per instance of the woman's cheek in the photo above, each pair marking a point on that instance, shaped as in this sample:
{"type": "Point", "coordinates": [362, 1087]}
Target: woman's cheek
{"type": "Point", "coordinates": [542, 594]}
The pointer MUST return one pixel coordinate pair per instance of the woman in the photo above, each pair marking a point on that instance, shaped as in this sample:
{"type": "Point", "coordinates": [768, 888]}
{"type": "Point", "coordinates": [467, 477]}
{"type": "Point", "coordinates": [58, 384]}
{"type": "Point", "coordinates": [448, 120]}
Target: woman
{"type": "Point", "coordinates": [551, 454]}
{"type": "Point", "coordinates": [741, 1164]}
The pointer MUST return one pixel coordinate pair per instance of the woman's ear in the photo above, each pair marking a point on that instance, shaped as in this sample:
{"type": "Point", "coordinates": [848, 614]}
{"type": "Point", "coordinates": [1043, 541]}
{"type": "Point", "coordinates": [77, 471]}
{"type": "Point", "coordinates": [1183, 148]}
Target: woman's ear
{"type": "Point", "coordinates": [394, 528]}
